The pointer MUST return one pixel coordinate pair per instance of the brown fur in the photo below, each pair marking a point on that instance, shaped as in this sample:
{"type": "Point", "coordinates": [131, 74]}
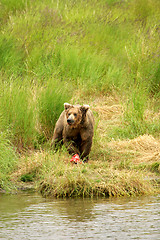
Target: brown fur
{"type": "Point", "coordinates": [74, 129]}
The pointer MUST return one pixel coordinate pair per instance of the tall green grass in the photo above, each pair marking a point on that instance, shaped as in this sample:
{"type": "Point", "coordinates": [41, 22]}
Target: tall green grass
{"type": "Point", "coordinates": [94, 46]}
{"type": "Point", "coordinates": [52, 50]}
{"type": "Point", "coordinates": [50, 104]}
{"type": "Point", "coordinates": [18, 112]}
{"type": "Point", "coordinates": [7, 161]}
{"type": "Point", "coordinates": [104, 46]}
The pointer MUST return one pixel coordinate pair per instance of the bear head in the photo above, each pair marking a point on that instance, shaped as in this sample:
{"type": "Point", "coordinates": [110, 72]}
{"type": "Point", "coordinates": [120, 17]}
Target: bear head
{"type": "Point", "coordinates": [75, 114]}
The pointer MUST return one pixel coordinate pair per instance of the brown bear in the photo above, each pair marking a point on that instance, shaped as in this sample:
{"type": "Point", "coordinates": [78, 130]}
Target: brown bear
{"type": "Point", "coordinates": [74, 129]}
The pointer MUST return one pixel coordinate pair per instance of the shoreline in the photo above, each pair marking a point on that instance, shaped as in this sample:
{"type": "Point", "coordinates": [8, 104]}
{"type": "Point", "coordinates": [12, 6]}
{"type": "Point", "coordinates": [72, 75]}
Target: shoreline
{"type": "Point", "coordinates": [61, 179]}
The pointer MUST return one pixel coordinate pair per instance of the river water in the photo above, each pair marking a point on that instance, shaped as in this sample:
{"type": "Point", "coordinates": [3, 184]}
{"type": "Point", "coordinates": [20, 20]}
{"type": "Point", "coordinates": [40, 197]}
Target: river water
{"type": "Point", "coordinates": [29, 216]}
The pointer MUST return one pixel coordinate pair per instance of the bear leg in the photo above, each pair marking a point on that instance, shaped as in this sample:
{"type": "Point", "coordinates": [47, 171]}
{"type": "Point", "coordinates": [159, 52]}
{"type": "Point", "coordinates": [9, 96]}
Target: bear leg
{"type": "Point", "coordinates": [57, 140]}
{"type": "Point", "coordinates": [85, 149]}
{"type": "Point", "coordinates": [71, 147]}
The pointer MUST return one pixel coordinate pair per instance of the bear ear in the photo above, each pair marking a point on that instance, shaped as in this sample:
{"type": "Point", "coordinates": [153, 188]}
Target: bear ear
{"type": "Point", "coordinates": [84, 108]}
{"type": "Point", "coordinates": [67, 105]}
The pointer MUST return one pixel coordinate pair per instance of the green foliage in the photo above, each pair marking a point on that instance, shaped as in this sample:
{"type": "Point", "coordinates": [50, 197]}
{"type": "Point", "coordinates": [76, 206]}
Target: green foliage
{"type": "Point", "coordinates": [154, 167]}
{"type": "Point", "coordinates": [17, 110]}
{"type": "Point", "coordinates": [13, 5]}
{"type": "Point", "coordinates": [28, 177]}
{"type": "Point", "coordinates": [51, 104]}
{"type": "Point", "coordinates": [7, 161]}
{"type": "Point", "coordinates": [11, 60]}
{"type": "Point", "coordinates": [97, 46]}
{"type": "Point", "coordinates": [52, 50]}
{"type": "Point", "coordinates": [134, 113]}
{"type": "Point", "coordinates": [94, 46]}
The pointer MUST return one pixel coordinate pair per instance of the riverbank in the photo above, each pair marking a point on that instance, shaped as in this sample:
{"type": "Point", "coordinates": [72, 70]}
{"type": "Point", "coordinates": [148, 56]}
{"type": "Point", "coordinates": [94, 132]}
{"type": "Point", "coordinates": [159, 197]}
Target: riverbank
{"type": "Point", "coordinates": [101, 53]}
{"type": "Point", "coordinates": [54, 176]}
{"type": "Point", "coordinates": [116, 167]}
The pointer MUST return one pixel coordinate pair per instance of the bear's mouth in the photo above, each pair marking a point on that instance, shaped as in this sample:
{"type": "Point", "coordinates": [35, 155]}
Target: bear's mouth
{"type": "Point", "coordinates": [70, 121]}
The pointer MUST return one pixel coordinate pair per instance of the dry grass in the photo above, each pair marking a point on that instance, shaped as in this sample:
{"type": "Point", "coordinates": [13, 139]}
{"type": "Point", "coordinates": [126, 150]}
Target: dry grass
{"type": "Point", "coordinates": [146, 149]}
{"type": "Point", "coordinates": [57, 177]}
{"type": "Point", "coordinates": [109, 110]}
{"type": "Point", "coordinates": [28, 164]}
{"type": "Point", "coordinates": [111, 171]}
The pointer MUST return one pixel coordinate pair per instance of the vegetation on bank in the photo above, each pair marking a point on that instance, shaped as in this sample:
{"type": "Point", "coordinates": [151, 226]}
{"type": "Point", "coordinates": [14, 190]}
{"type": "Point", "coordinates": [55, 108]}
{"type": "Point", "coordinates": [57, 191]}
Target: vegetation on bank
{"type": "Point", "coordinates": [55, 176]}
{"type": "Point", "coordinates": [8, 160]}
{"type": "Point", "coordinates": [84, 52]}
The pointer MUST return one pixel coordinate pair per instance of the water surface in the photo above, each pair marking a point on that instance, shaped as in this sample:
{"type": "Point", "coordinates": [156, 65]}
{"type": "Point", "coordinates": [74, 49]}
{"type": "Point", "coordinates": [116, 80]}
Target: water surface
{"type": "Point", "coordinates": [29, 216]}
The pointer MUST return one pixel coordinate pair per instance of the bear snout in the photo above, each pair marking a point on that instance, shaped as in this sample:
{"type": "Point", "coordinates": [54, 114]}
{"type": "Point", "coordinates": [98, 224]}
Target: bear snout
{"type": "Point", "coordinates": [70, 120]}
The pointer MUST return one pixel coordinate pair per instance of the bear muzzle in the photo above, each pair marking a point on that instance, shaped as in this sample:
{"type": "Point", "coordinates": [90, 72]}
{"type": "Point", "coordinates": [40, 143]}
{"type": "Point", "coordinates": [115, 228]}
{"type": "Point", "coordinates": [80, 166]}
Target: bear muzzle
{"type": "Point", "coordinates": [70, 120]}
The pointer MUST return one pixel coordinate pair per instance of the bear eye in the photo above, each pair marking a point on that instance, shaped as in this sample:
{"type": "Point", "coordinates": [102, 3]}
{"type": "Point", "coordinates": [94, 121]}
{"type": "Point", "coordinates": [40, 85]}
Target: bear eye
{"type": "Point", "coordinates": [75, 114]}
